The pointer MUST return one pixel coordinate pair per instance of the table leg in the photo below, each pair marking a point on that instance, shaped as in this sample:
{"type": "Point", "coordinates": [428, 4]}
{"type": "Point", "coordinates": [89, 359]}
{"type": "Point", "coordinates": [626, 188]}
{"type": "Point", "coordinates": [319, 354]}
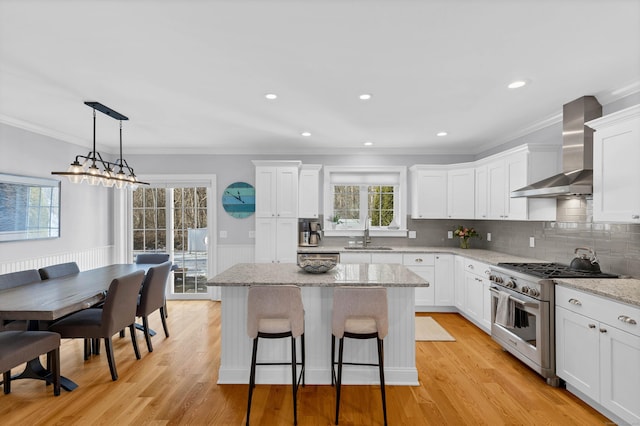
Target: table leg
{"type": "Point", "coordinates": [35, 370]}
{"type": "Point", "coordinates": [141, 328]}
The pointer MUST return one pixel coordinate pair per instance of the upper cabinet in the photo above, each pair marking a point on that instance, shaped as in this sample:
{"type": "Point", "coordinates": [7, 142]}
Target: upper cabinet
{"type": "Point", "coordinates": [440, 192]}
{"type": "Point", "coordinates": [500, 174]}
{"type": "Point", "coordinates": [277, 188]}
{"type": "Point", "coordinates": [616, 175]}
{"type": "Point", "coordinates": [482, 189]}
{"type": "Point", "coordinates": [309, 191]}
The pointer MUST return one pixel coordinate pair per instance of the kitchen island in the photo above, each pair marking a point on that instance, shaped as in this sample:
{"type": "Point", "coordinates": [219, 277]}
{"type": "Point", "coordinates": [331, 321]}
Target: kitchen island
{"type": "Point", "coordinates": [317, 296]}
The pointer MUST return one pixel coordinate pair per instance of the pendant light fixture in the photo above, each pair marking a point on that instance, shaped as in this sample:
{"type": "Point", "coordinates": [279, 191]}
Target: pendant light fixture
{"type": "Point", "coordinates": [89, 171]}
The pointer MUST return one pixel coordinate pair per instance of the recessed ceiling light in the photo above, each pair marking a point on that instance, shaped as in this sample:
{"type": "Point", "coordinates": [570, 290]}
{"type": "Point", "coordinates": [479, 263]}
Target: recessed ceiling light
{"type": "Point", "coordinates": [517, 84]}
{"type": "Point", "coordinates": [441, 134]}
{"type": "Point", "coordinates": [365, 96]}
{"type": "Point", "coordinates": [307, 134]}
{"type": "Point", "coordinates": [368, 143]}
{"type": "Point", "coordinates": [271, 96]}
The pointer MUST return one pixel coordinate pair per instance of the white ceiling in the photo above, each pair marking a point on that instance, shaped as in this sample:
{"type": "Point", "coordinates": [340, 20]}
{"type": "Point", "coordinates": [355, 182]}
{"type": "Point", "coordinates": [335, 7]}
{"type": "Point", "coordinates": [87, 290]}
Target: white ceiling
{"type": "Point", "coordinates": [192, 76]}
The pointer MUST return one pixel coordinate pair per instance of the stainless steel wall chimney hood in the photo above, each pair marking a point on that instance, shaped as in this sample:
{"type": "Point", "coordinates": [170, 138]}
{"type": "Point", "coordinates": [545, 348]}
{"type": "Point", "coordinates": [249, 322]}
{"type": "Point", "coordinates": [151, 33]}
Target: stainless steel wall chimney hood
{"type": "Point", "coordinates": [577, 154]}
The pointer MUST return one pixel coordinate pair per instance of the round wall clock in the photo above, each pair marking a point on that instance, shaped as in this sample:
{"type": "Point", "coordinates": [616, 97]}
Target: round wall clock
{"type": "Point", "coordinates": [239, 200]}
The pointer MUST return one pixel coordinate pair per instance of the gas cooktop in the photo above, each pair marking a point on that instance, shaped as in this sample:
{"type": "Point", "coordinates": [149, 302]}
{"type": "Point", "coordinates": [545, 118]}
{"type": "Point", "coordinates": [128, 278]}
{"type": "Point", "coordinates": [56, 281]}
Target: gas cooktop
{"type": "Point", "coordinates": [552, 270]}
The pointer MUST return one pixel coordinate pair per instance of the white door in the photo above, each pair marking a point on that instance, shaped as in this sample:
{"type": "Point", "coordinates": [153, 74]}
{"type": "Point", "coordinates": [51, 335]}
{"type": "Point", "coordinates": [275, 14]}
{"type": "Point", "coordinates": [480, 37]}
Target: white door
{"type": "Point", "coordinates": [497, 187]}
{"type": "Point", "coordinates": [444, 277]}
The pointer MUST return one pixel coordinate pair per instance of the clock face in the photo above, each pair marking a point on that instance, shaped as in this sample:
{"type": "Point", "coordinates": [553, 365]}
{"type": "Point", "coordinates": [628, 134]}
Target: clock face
{"type": "Point", "coordinates": [239, 200]}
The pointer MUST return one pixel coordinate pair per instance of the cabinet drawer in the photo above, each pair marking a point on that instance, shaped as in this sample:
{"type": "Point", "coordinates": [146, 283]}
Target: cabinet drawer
{"type": "Point", "coordinates": [476, 267]}
{"type": "Point", "coordinates": [613, 313]}
{"type": "Point", "coordinates": [418, 259]}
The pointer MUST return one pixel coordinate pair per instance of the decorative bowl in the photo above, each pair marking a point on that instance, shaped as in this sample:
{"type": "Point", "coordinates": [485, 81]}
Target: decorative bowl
{"type": "Point", "coordinates": [317, 265]}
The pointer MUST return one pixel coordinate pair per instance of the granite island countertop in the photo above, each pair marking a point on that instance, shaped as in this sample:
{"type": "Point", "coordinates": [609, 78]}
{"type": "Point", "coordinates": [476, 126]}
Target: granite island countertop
{"type": "Point", "coordinates": [376, 274]}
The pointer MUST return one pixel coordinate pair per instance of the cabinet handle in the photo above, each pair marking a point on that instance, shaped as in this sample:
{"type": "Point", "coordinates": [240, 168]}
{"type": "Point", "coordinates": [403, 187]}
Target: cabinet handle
{"type": "Point", "coordinates": [487, 272]}
{"type": "Point", "coordinates": [575, 302]}
{"type": "Point", "coordinates": [603, 330]}
{"type": "Point", "coordinates": [635, 216]}
{"type": "Point", "coordinates": [470, 266]}
{"type": "Point", "coordinates": [478, 279]}
{"type": "Point", "coordinates": [484, 215]}
{"type": "Point", "coordinates": [627, 319]}
{"type": "Point", "coordinates": [418, 260]}
{"type": "Point", "coordinates": [592, 326]}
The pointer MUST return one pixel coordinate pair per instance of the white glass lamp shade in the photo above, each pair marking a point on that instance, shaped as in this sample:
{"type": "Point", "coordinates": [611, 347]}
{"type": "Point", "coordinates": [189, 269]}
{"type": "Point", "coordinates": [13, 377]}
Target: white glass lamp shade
{"type": "Point", "coordinates": [95, 176]}
{"type": "Point", "coordinates": [78, 172]}
{"type": "Point", "coordinates": [121, 178]}
{"type": "Point", "coordinates": [107, 178]}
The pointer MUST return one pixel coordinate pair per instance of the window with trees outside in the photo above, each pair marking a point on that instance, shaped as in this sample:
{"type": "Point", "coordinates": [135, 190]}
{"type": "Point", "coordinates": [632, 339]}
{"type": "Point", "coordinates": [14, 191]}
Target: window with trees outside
{"type": "Point", "coordinates": [359, 197]}
{"type": "Point", "coordinates": [174, 221]}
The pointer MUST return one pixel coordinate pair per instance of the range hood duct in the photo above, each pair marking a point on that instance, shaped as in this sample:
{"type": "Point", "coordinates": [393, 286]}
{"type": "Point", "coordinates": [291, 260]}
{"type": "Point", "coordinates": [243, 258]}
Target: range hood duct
{"type": "Point", "coordinates": [576, 178]}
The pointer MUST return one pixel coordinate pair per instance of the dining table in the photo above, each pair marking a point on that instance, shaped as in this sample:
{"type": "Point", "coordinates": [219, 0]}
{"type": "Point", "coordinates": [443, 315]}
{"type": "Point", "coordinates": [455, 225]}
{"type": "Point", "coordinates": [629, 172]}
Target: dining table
{"type": "Point", "coordinates": [49, 300]}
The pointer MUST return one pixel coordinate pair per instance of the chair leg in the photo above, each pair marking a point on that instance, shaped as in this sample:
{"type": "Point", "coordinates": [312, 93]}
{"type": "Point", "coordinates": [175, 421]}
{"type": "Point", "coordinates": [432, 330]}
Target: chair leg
{"type": "Point", "coordinates": [339, 380]}
{"type": "Point", "coordinates": [96, 346]}
{"type": "Point", "coordinates": [112, 362]}
{"type": "Point", "coordinates": [333, 360]}
{"type": "Point", "coordinates": [252, 376]}
{"type": "Point", "coordinates": [294, 380]}
{"type": "Point", "coordinates": [122, 333]}
{"type": "Point", "coordinates": [163, 317]}
{"type": "Point", "coordinates": [134, 340]}
{"type": "Point", "coordinates": [87, 349]}
{"type": "Point", "coordinates": [381, 368]}
{"type": "Point", "coordinates": [53, 360]}
{"type": "Point", "coordinates": [6, 382]}
{"type": "Point", "coordinates": [147, 336]}
{"type": "Point", "coordinates": [303, 359]}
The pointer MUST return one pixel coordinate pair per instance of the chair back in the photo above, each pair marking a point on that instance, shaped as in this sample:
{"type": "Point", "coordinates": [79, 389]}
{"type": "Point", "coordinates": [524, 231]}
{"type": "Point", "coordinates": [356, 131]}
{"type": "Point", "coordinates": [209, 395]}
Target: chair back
{"type": "Point", "coordinates": [152, 258]}
{"type": "Point", "coordinates": [14, 279]}
{"type": "Point", "coordinates": [275, 302]}
{"type": "Point", "coordinates": [119, 310]}
{"type": "Point", "coordinates": [360, 302]}
{"type": "Point", "coordinates": [153, 289]}
{"type": "Point", "coordinates": [59, 270]}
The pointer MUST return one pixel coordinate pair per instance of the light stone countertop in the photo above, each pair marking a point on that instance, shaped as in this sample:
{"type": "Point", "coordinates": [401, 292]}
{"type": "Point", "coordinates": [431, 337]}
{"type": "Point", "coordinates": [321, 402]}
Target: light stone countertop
{"type": "Point", "coordinates": [626, 290]}
{"type": "Point", "coordinates": [378, 274]}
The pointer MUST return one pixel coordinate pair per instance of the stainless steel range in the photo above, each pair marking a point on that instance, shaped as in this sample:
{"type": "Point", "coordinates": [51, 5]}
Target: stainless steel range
{"type": "Point", "coordinates": [526, 291]}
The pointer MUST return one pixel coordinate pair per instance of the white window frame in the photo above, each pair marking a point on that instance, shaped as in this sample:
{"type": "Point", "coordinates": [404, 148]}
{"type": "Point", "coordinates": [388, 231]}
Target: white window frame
{"type": "Point", "coordinates": [400, 198]}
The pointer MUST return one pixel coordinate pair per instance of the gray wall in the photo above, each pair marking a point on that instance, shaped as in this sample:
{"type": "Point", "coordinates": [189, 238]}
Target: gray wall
{"type": "Point", "coordinates": [85, 212]}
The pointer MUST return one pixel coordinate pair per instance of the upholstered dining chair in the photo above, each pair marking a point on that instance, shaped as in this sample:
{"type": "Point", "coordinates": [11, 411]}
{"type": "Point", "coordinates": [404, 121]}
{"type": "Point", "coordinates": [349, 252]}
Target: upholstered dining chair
{"type": "Point", "coordinates": [15, 279]}
{"type": "Point", "coordinates": [152, 298]}
{"type": "Point", "coordinates": [117, 313]}
{"type": "Point", "coordinates": [155, 258]}
{"type": "Point", "coordinates": [17, 347]}
{"type": "Point", "coordinates": [59, 270]}
{"type": "Point", "coordinates": [358, 313]}
{"type": "Point", "coordinates": [275, 312]}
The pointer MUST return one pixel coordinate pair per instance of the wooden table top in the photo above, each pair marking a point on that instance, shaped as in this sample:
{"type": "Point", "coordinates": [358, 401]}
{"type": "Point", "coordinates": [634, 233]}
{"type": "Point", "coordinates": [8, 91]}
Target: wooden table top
{"type": "Point", "coordinates": [55, 298]}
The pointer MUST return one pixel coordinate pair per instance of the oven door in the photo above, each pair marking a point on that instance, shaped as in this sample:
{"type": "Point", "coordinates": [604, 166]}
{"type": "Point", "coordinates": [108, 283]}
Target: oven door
{"type": "Point", "coordinates": [530, 342]}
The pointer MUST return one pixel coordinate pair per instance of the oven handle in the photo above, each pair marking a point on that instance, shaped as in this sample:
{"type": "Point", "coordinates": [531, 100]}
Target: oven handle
{"type": "Point", "coordinates": [515, 299]}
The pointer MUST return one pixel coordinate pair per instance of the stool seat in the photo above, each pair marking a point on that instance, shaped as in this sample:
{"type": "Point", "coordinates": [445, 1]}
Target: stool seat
{"type": "Point", "coordinates": [360, 325]}
{"type": "Point", "coordinates": [274, 325]}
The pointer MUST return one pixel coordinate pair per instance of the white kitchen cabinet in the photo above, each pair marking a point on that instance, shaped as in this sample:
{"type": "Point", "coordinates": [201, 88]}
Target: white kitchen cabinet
{"type": "Point", "coordinates": [598, 351]}
{"type": "Point", "coordinates": [276, 240]}
{"type": "Point", "coordinates": [482, 193]}
{"type": "Point", "coordinates": [309, 191]}
{"type": "Point", "coordinates": [511, 170]}
{"type": "Point", "coordinates": [616, 175]}
{"type": "Point", "coordinates": [355, 257]}
{"type": "Point", "coordinates": [276, 211]}
{"type": "Point", "coordinates": [461, 193]}
{"type": "Point", "coordinates": [428, 192]}
{"type": "Point", "coordinates": [423, 264]}
{"type": "Point", "coordinates": [444, 280]}
{"type": "Point", "coordinates": [477, 303]}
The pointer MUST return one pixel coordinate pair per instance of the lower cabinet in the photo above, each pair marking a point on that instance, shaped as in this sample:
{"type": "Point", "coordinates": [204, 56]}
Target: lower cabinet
{"type": "Point", "coordinates": [477, 297]}
{"type": "Point", "coordinates": [598, 351]}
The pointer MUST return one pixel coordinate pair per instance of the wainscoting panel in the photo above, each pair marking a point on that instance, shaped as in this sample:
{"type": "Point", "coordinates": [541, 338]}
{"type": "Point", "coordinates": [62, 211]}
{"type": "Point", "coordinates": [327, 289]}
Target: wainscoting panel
{"type": "Point", "coordinates": [87, 259]}
{"type": "Point", "coordinates": [228, 255]}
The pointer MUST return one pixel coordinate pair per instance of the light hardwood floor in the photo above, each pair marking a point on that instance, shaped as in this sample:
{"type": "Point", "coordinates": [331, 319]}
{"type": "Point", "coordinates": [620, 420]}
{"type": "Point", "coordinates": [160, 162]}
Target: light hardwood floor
{"type": "Point", "coordinates": [470, 381]}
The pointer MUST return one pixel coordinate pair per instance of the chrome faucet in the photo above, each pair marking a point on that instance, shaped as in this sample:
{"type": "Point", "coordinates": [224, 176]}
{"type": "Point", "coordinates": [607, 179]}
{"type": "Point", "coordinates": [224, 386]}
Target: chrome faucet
{"type": "Point", "coordinates": [366, 238]}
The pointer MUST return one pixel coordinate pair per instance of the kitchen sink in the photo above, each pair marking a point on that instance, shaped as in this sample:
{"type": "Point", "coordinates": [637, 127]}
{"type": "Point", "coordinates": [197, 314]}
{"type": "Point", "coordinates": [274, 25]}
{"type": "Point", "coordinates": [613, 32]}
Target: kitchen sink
{"type": "Point", "coordinates": [368, 248]}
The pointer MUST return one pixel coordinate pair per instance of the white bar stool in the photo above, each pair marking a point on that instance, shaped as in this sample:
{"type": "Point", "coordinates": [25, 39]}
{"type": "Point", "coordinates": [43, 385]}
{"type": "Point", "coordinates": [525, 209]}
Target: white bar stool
{"type": "Point", "coordinates": [274, 312]}
{"type": "Point", "coordinates": [358, 313]}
